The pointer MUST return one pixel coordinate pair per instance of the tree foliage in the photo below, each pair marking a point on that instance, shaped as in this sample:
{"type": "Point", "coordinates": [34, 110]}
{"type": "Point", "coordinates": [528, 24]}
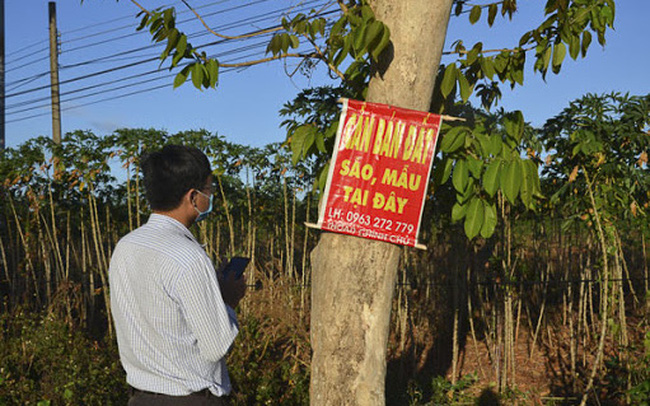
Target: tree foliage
{"type": "Point", "coordinates": [484, 156]}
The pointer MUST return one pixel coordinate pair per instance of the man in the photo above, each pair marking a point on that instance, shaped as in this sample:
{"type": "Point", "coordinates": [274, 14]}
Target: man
{"type": "Point", "coordinates": [174, 320]}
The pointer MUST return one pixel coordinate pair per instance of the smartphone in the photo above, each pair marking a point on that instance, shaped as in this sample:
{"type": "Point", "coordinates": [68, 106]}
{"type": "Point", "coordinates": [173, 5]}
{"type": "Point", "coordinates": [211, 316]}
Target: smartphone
{"type": "Point", "coordinates": [237, 265]}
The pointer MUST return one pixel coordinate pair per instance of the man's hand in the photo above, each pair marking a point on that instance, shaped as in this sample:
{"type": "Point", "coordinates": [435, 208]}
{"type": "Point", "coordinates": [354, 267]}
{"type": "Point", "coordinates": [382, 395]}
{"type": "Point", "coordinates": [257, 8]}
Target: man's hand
{"type": "Point", "coordinates": [232, 289]}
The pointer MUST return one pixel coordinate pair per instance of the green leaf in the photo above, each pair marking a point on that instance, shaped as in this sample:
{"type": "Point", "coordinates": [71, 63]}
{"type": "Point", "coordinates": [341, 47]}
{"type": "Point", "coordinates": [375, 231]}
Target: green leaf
{"type": "Point", "coordinates": [511, 178]}
{"type": "Point", "coordinates": [483, 141]}
{"type": "Point", "coordinates": [359, 40]}
{"type": "Point", "coordinates": [474, 218]}
{"type": "Point", "coordinates": [465, 89]}
{"type": "Point", "coordinates": [442, 171]}
{"type": "Point", "coordinates": [559, 52]}
{"type": "Point", "coordinates": [491, 177]}
{"type": "Point", "coordinates": [212, 68]}
{"type": "Point", "coordinates": [274, 45]}
{"type": "Point", "coordinates": [514, 125]}
{"type": "Point", "coordinates": [181, 77]}
{"type": "Point", "coordinates": [574, 46]}
{"type": "Point", "coordinates": [475, 14]}
{"type": "Point", "coordinates": [487, 66]}
{"type": "Point", "coordinates": [197, 75]}
{"type": "Point", "coordinates": [460, 176]}
{"type": "Point", "coordinates": [454, 139]}
{"type": "Point", "coordinates": [492, 13]}
{"type": "Point", "coordinates": [458, 211]}
{"type": "Point", "coordinates": [531, 182]}
{"type": "Point", "coordinates": [295, 42]}
{"type": "Point", "coordinates": [373, 33]}
{"type": "Point", "coordinates": [320, 142]}
{"type": "Point", "coordinates": [285, 41]}
{"type": "Point", "coordinates": [172, 40]}
{"type": "Point", "coordinates": [586, 41]}
{"type": "Point", "coordinates": [322, 178]}
{"type": "Point", "coordinates": [182, 45]}
{"type": "Point", "coordinates": [489, 220]}
{"type": "Point", "coordinates": [496, 143]}
{"type": "Point", "coordinates": [301, 140]}
{"type": "Point", "coordinates": [382, 44]}
{"type": "Point", "coordinates": [546, 58]}
{"type": "Point", "coordinates": [448, 80]}
{"type": "Point", "coordinates": [475, 166]}
{"type": "Point", "coordinates": [527, 186]}
{"type": "Point", "coordinates": [143, 22]}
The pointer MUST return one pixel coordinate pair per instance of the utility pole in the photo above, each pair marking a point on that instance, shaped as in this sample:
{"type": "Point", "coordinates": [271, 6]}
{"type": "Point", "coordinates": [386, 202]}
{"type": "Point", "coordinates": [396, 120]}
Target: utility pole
{"type": "Point", "coordinates": [54, 75]}
{"type": "Point", "coordinates": [2, 75]}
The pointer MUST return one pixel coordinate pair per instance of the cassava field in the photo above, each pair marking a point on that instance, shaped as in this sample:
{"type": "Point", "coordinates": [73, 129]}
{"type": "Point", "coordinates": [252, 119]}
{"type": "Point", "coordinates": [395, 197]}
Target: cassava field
{"type": "Point", "coordinates": [552, 309]}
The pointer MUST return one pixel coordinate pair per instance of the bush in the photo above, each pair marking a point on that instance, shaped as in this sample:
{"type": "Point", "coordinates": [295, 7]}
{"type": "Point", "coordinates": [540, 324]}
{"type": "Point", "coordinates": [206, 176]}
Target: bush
{"type": "Point", "coordinates": [46, 360]}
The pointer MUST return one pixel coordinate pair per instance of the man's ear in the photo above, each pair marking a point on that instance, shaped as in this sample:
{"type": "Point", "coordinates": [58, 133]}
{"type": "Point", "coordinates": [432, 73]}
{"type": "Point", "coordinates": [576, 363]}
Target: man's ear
{"type": "Point", "coordinates": [188, 197]}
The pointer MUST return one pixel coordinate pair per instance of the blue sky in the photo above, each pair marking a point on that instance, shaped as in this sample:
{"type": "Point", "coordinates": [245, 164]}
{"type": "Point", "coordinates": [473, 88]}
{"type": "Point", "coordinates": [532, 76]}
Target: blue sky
{"type": "Point", "coordinates": [244, 108]}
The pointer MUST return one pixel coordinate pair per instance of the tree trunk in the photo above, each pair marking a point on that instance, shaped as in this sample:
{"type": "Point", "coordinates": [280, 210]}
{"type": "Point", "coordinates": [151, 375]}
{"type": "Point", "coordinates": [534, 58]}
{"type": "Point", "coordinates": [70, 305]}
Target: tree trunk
{"type": "Point", "coordinates": [353, 279]}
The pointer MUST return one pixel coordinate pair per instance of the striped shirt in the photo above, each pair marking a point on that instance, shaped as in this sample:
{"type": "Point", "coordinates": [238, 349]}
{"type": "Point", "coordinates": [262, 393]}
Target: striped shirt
{"type": "Point", "coordinates": [173, 328]}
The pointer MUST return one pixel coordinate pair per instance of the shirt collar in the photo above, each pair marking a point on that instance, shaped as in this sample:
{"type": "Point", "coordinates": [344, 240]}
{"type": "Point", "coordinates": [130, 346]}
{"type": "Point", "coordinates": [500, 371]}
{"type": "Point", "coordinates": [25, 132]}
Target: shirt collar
{"type": "Point", "coordinates": [162, 220]}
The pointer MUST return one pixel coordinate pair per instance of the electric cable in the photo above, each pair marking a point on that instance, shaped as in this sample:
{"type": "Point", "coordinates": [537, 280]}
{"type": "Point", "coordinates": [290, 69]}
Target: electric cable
{"type": "Point", "coordinates": [223, 70]}
{"type": "Point", "coordinates": [257, 45]}
{"type": "Point", "coordinates": [113, 69]}
{"type": "Point", "coordinates": [141, 32]}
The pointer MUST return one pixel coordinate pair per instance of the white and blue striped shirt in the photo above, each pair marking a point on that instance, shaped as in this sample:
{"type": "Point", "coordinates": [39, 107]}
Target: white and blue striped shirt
{"type": "Point", "coordinates": [173, 328]}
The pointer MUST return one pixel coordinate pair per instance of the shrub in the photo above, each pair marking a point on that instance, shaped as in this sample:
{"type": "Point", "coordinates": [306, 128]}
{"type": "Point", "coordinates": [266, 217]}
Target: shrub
{"type": "Point", "coordinates": [46, 360]}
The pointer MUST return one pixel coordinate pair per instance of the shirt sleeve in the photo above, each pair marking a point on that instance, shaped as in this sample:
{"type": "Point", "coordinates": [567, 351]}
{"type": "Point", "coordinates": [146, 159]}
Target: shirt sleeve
{"type": "Point", "coordinates": [213, 323]}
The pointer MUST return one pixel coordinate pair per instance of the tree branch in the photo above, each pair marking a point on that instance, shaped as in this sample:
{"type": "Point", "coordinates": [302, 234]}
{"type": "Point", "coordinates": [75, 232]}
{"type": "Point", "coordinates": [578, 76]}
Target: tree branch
{"type": "Point", "coordinates": [140, 7]}
{"type": "Point", "coordinates": [269, 59]}
{"type": "Point", "coordinates": [323, 58]}
{"type": "Point", "coordinates": [515, 50]}
{"type": "Point", "coordinates": [207, 27]}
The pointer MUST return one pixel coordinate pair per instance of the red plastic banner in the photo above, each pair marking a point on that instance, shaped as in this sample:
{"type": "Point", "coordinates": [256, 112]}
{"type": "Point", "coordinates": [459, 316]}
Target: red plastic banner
{"type": "Point", "coordinates": [379, 172]}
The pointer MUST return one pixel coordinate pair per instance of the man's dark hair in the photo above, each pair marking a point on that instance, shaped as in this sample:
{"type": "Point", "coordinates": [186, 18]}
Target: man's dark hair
{"type": "Point", "coordinates": [171, 172]}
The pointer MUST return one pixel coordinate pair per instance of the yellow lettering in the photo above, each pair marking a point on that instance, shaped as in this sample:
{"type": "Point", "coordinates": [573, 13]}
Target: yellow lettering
{"type": "Point", "coordinates": [428, 144]}
{"type": "Point", "coordinates": [390, 177]}
{"type": "Point", "coordinates": [345, 167]}
{"type": "Point", "coordinates": [347, 190]}
{"type": "Point", "coordinates": [381, 128]}
{"type": "Point", "coordinates": [390, 203]}
{"type": "Point", "coordinates": [414, 182]}
{"type": "Point", "coordinates": [378, 201]}
{"type": "Point", "coordinates": [403, 180]}
{"type": "Point", "coordinates": [348, 130]}
{"type": "Point", "coordinates": [397, 138]}
{"type": "Point", "coordinates": [419, 146]}
{"type": "Point", "coordinates": [410, 142]}
{"type": "Point", "coordinates": [401, 202]}
{"type": "Point", "coordinates": [366, 172]}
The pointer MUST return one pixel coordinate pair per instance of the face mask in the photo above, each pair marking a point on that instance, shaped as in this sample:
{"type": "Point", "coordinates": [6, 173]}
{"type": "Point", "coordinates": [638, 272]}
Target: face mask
{"type": "Point", "coordinates": [204, 214]}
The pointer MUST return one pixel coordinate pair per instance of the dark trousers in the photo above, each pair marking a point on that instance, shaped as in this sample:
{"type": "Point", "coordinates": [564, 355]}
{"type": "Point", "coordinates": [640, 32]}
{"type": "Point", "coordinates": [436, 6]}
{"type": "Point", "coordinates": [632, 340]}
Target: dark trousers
{"type": "Point", "coordinates": [203, 398]}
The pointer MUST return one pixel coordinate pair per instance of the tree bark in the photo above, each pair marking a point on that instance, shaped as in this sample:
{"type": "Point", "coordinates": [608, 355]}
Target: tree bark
{"type": "Point", "coordinates": [353, 279]}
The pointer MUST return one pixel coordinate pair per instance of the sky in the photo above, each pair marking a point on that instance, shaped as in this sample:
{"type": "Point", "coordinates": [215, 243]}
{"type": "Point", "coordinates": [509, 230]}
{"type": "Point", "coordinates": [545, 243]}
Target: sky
{"type": "Point", "coordinates": [108, 83]}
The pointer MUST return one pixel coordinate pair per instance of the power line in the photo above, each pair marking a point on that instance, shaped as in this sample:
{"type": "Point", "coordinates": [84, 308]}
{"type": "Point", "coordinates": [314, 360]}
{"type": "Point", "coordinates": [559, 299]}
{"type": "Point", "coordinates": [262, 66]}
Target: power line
{"type": "Point", "coordinates": [142, 32]}
{"type": "Point", "coordinates": [259, 44]}
{"type": "Point", "coordinates": [165, 85]}
{"type": "Point", "coordinates": [256, 19]}
{"type": "Point", "coordinates": [30, 46]}
{"type": "Point", "coordinates": [130, 25]}
{"type": "Point", "coordinates": [24, 63]}
{"type": "Point", "coordinates": [243, 22]}
{"type": "Point", "coordinates": [113, 69]}
{"type": "Point", "coordinates": [224, 70]}
{"type": "Point", "coordinates": [90, 26]}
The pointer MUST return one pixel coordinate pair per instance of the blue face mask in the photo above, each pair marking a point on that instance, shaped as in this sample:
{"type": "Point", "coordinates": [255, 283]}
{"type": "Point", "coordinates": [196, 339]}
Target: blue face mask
{"type": "Point", "coordinates": [204, 214]}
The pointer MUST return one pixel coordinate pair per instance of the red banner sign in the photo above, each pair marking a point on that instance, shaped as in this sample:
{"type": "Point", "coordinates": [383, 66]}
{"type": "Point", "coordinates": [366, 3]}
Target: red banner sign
{"type": "Point", "coordinates": [379, 172]}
